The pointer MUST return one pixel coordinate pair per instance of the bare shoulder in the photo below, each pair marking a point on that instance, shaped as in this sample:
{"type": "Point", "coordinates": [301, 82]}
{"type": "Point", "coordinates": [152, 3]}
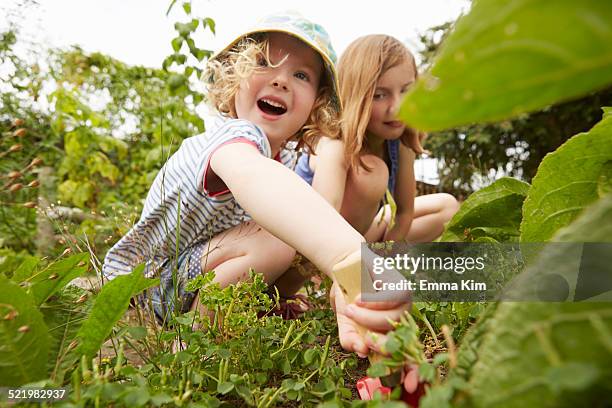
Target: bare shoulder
{"type": "Point", "coordinates": [327, 150]}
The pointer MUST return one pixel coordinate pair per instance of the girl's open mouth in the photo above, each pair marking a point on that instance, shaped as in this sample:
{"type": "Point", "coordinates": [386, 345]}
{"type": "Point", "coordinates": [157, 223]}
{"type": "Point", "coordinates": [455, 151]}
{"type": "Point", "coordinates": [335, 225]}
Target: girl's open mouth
{"type": "Point", "coordinates": [271, 107]}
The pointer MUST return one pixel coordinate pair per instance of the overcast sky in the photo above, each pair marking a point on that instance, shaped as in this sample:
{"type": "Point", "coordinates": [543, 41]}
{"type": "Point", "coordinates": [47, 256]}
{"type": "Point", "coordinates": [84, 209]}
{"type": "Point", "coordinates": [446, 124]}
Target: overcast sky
{"type": "Point", "coordinates": [139, 32]}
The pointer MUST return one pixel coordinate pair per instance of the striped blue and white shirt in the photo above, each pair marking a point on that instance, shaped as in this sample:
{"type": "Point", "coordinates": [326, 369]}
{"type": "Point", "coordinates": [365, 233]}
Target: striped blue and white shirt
{"type": "Point", "coordinates": [179, 211]}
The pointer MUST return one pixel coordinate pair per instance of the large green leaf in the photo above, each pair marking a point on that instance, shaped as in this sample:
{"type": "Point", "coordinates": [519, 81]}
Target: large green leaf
{"type": "Point", "coordinates": [494, 211]}
{"type": "Point", "coordinates": [504, 58]}
{"type": "Point", "coordinates": [64, 316]}
{"type": "Point", "coordinates": [48, 281]}
{"type": "Point", "coordinates": [523, 354]}
{"type": "Point", "coordinates": [110, 305]}
{"type": "Point", "coordinates": [589, 226]}
{"type": "Point", "coordinates": [567, 180]}
{"type": "Point", "coordinates": [24, 341]}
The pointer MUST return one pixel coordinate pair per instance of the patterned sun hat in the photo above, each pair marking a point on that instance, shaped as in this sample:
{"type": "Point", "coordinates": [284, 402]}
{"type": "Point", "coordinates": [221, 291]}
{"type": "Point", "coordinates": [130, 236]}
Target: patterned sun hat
{"type": "Point", "coordinates": [312, 34]}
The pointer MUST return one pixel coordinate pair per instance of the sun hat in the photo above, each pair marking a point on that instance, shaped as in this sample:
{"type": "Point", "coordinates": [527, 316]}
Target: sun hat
{"type": "Point", "coordinates": [294, 24]}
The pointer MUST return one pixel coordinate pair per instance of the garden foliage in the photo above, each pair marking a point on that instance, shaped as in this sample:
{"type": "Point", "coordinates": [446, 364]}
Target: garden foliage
{"type": "Point", "coordinates": [502, 59]}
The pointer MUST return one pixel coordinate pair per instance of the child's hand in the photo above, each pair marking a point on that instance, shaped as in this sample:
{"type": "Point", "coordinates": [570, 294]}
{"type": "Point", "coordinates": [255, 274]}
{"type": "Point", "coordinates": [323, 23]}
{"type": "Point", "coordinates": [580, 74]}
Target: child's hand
{"type": "Point", "coordinates": [373, 316]}
{"type": "Point", "coordinates": [376, 316]}
{"type": "Point", "coordinates": [348, 331]}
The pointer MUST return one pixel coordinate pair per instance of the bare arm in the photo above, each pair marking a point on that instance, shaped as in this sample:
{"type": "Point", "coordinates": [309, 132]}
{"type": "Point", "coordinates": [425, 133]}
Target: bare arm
{"type": "Point", "coordinates": [282, 203]}
{"type": "Point", "coordinates": [330, 172]}
{"type": "Point", "coordinates": [405, 193]}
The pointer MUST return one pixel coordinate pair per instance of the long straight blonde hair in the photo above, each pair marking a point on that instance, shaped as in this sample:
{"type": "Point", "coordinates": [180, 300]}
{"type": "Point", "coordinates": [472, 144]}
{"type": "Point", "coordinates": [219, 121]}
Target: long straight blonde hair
{"type": "Point", "coordinates": [359, 69]}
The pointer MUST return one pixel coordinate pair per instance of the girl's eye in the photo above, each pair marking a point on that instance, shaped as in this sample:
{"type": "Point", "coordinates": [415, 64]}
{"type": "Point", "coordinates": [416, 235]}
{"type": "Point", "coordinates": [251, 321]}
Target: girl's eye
{"type": "Point", "coordinates": [379, 95]}
{"type": "Point", "coordinates": [302, 76]}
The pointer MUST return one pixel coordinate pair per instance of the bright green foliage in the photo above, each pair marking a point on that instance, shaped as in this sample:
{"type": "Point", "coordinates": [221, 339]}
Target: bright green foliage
{"type": "Point", "coordinates": [24, 341]}
{"type": "Point", "coordinates": [110, 305]}
{"type": "Point", "coordinates": [567, 181]}
{"type": "Point", "coordinates": [492, 212]}
{"type": "Point", "coordinates": [505, 58]}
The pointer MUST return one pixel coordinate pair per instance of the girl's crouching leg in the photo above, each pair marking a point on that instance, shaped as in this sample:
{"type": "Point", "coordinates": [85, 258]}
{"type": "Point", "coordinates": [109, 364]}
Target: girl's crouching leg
{"type": "Point", "coordinates": [234, 252]}
{"type": "Point", "coordinates": [431, 213]}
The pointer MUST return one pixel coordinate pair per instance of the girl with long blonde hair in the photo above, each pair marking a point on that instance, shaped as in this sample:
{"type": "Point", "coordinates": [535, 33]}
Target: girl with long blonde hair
{"type": "Point", "coordinates": [375, 152]}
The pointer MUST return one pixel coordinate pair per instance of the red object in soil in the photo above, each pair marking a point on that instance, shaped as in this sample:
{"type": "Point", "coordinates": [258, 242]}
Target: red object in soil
{"type": "Point", "coordinates": [366, 387]}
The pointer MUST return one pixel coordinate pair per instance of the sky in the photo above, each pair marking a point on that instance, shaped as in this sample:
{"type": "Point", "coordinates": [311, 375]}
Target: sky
{"type": "Point", "coordinates": [138, 32]}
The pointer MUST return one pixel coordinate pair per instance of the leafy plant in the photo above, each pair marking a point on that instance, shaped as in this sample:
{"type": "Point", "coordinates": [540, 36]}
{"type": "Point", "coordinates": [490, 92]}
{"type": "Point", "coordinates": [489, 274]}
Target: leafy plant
{"type": "Point", "coordinates": [543, 62]}
{"type": "Point", "coordinates": [29, 333]}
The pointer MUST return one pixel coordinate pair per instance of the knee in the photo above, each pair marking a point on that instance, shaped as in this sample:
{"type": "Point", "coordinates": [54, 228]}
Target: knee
{"type": "Point", "coordinates": [279, 254]}
{"type": "Point", "coordinates": [373, 183]}
{"type": "Point", "coordinates": [449, 206]}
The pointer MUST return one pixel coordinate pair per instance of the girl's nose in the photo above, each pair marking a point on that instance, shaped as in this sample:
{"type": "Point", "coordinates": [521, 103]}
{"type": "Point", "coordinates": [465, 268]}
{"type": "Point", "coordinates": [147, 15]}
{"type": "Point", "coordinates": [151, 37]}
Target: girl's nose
{"type": "Point", "coordinates": [395, 104]}
{"type": "Point", "coordinates": [280, 80]}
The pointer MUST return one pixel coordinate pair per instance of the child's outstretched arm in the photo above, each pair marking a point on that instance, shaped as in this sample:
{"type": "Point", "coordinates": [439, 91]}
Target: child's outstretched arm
{"type": "Point", "coordinates": [405, 193]}
{"type": "Point", "coordinates": [279, 201]}
{"type": "Point", "coordinates": [285, 205]}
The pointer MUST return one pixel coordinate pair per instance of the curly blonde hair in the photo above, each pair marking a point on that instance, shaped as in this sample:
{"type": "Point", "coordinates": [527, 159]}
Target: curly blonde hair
{"type": "Point", "coordinates": [224, 74]}
{"type": "Point", "coordinates": [363, 62]}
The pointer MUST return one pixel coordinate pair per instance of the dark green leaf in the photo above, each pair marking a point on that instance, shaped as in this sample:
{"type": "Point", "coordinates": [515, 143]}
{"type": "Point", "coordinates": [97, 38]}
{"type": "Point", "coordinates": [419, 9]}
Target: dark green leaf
{"type": "Point", "coordinates": [483, 208]}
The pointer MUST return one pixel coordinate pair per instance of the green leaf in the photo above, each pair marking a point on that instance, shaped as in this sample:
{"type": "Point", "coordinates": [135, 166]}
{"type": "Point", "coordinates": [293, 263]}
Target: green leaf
{"type": "Point", "coordinates": [594, 225]}
{"type": "Point", "coordinates": [64, 316]}
{"type": "Point", "coordinates": [184, 29]}
{"type": "Point", "coordinates": [47, 282]}
{"type": "Point", "coordinates": [482, 210]}
{"type": "Point", "coordinates": [225, 387]}
{"type": "Point", "coordinates": [25, 269]}
{"type": "Point", "coordinates": [604, 182]}
{"type": "Point", "coordinates": [110, 305]}
{"type": "Point", "coordinates": [572, 376]}
{"type": "Point", "coordinates": [309, 356]}
{"type": "Point", "coordinates": [566, 182]}
{"type": "Point", "coordinates": [176, 43]}
{"type": "Point", "coordinates": [378, 370]}
{"type": "Point", "coordinates": [137, 332]}
{"type": "Point", "coordinates": [187, 7]}
{"type": "Point", "coordinates": [161, 399]}
{"type": "Point", "coordinates": [210, 23]}
{"type": "Point", "coordinates": [136, 397]}
{"type": "Point", "coordinates": [266, 364]}
{"type": "Point", "coordinates": [505, 58]}
{"type": "Point", "coordinates": [286, 366]}
{"type": "Point", "coordinates": [427, 372]}
{"type": "Point", "coordinates": [176, 81]}
{"type": "Point", "coordinates": [24, 340]}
